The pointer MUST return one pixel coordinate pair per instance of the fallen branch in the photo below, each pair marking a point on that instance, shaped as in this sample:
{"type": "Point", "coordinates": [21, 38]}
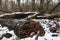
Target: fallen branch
{"type": "Point", "coordinates": [49, 16]}
{"type": "Point", "coordinates": [31, 16]}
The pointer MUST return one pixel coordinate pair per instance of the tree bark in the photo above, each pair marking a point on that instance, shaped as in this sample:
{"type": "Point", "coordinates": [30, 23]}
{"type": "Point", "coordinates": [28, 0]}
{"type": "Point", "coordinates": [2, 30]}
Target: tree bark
{"type": "Point", "coordinates": [6, 4]}
{"type": "Point", "coordinates": [41, 5]}
{"type": "Point", "coordinates": [19, 7]}
{"type": "Point", "coordinates": [33, 5]}
{"type": "Point", "coordinates": [0, 3]}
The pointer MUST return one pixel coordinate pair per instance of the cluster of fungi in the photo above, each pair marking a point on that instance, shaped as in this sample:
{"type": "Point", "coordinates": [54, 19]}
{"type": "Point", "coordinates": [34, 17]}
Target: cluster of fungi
{"type": "Point", "coordinates": [30, 27]}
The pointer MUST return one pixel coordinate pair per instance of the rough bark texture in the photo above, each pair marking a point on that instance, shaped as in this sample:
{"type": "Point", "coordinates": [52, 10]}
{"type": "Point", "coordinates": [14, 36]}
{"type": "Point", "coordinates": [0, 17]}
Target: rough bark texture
{"type": "Point", "coordinates": [25, 29]}
{"type": "Point", "coordinates": [29, 27]}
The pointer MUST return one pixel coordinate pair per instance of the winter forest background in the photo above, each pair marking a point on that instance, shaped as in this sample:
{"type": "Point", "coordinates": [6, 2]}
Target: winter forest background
{"type": "Point", "coordinates": [29, 19]}
{"type": "Point", "coordinates": [27, 5]}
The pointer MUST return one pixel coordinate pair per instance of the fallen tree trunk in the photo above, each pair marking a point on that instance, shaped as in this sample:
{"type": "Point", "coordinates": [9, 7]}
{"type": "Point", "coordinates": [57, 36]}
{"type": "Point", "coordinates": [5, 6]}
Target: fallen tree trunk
{"type": "Point", "coordinates": [49, 16]}
{"type": "Point", "coordinates": [27, 16]}
{"type": "Point", "coordinates": [30, 27]}
{"type": "Point", "coordinates": [27, 28]}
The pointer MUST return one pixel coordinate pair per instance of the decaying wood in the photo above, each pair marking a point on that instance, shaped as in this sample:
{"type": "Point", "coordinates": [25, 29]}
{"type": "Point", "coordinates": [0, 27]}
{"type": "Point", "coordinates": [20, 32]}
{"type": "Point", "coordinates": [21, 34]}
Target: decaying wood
{"type": "Point", "coordinates": [29, 27]}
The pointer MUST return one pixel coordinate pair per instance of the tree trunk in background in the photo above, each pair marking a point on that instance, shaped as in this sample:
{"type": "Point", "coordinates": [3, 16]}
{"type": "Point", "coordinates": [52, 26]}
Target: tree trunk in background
{"type": "Point", "coordinates": [19, 7]}
{"type": "Point", "coordinates": [27, 5]}
{"type": "Point", "coordinates": [6, 5]}
{"type": "Point", "coordinates": [18, 1]}
{"type": "Point", "coordinates": [13, 5]}
{"type": "Point", "coordinates": [41, 6]}
{"type": "Point", "coordinates": [33, 5]}
{"type": "Point", "coordinates": [0, 3]}
{"type": "Point", "coordinates": [47, 6]}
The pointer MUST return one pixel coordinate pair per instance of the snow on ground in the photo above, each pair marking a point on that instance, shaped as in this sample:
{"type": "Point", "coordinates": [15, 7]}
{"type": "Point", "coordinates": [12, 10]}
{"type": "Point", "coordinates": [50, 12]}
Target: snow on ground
{"type": "Point", "coordinates": [48, 34]}
{"type": "Point", "coordinates": [44, 22]}
{"type": "Point", "coordinates": [4, 30]}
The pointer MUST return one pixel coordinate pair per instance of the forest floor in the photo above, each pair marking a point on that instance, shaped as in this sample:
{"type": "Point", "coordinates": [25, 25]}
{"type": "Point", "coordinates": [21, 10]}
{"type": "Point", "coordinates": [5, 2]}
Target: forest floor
{"type": "Point", "coordinates": [45, 24]}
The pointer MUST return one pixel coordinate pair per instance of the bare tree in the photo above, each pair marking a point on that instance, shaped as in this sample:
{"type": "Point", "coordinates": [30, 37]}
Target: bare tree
{"type": "Point", "coordinates": [33, 5]}
{"type": "Point", "coordinates": [19, 7]}
{"type": "Point", "coordinates": [6, 4]}
{"type": "Point", "coordinates": [13, 7]}
{"type": "Point", "coordinates": [0, 3]}
{"type": "Point", "coordinates": [41, 6]}
{"type": "Point", "coordinates": [18, 1]}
